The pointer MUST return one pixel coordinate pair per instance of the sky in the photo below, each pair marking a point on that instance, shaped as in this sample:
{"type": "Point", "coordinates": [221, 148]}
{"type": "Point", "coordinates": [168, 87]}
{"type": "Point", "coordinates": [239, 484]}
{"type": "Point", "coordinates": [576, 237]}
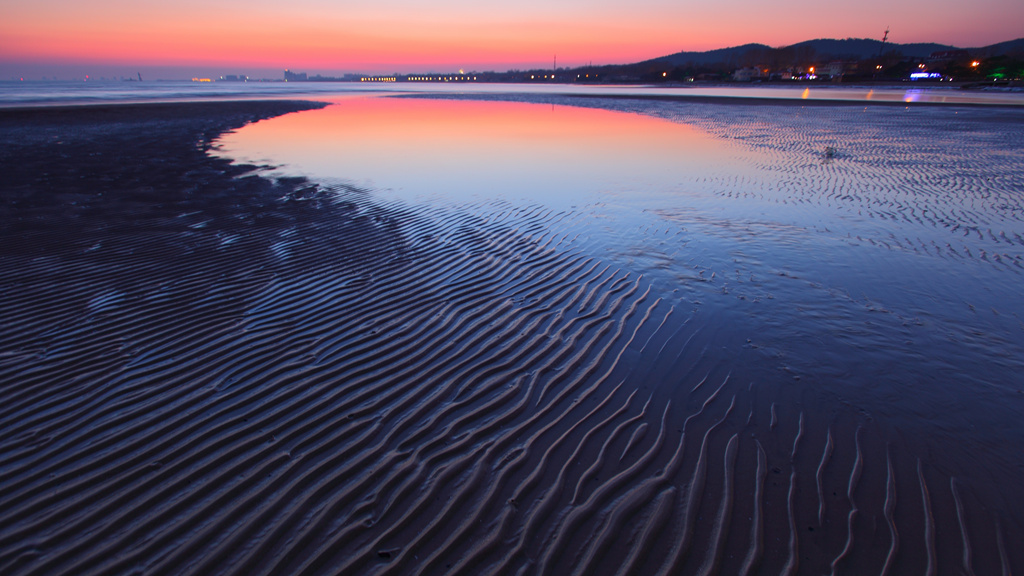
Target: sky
{"type": "Point", "coordinates": [260, 38]}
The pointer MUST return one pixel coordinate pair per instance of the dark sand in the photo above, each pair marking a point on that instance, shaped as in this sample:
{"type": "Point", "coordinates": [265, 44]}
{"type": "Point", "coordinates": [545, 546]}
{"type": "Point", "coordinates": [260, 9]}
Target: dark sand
{"type": "Point", "coordinates": [203, 372]}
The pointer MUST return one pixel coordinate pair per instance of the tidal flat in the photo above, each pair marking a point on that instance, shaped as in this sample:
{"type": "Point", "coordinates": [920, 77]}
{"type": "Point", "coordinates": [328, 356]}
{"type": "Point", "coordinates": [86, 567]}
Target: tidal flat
{"type": "Point", "coordinates": [507, 333]}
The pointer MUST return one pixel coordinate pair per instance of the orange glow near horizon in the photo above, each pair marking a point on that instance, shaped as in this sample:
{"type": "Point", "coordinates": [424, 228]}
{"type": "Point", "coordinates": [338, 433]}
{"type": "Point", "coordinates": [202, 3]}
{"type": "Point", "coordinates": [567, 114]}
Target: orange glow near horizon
{"type": "Point", "coordinates": [399, 36]}
{"type": "Point", "coordinates": [296, 41]}
{"type": "Point", "coordinates": [352, 49]}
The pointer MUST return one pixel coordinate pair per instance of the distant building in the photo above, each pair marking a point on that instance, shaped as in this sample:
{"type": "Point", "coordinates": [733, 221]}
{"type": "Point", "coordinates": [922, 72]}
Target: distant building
{"type": "Point", "coordinates": [947, 55]}
{"type": "Point", "coordinates": [836, 70]}
{"type": "Point", "coordinates": [234, 78]}
{"type": "Point", "coordinates": [290, 76]}
{"type": "Point", "coordinates": [748, 74]}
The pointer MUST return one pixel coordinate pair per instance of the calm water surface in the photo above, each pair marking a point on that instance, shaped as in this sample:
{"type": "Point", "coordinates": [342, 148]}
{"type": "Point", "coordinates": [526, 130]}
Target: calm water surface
{"type": "Point", "coordinates": [877, 250]}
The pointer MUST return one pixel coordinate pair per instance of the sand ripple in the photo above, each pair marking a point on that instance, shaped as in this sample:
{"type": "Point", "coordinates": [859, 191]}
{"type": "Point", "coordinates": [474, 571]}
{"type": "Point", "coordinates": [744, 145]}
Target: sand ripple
{"type": "Point", "coordinates": [379, 391]}
{"type": "Point", "coordinates": [347, 387]}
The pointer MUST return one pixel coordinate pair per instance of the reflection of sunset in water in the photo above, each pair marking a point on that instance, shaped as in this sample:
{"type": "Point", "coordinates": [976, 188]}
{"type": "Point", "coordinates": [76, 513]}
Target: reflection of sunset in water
{"type": "Point", "coordinates": [462, 149]}
{"type": "Point", "coordinates": [834, 263]}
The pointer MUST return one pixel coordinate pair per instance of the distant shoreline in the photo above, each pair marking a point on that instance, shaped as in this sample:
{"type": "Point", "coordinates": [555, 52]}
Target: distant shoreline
{"type": "Point", "coordinates": [904, 94]}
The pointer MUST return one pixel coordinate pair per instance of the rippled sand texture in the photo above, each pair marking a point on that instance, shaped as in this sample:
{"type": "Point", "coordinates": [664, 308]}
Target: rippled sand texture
{"type": "Point", "coordinates": [205, 372]}
{"type": "Point", "coordinates": [959, 170]}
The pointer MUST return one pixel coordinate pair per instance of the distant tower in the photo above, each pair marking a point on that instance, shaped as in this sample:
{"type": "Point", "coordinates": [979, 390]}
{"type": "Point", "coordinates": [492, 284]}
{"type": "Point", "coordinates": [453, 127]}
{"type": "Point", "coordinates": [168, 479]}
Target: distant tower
{"type": "Point", "coordinates": [884, 38]}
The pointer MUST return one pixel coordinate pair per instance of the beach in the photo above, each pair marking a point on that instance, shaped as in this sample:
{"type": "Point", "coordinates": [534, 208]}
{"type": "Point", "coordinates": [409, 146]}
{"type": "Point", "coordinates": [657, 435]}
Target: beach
{"type": "Point", "coordinates": [211, 367]}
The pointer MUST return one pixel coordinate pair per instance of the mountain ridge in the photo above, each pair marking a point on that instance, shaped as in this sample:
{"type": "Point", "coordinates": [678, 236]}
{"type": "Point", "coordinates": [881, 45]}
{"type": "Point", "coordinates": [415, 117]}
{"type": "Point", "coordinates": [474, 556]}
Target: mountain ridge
{"type": "Point", "coordinates": [826, 48]}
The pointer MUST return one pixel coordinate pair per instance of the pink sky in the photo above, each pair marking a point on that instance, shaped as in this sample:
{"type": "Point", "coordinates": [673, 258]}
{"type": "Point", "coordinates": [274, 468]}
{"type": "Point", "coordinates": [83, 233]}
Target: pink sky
{"type": "Point", "coordinates": [337, 36]}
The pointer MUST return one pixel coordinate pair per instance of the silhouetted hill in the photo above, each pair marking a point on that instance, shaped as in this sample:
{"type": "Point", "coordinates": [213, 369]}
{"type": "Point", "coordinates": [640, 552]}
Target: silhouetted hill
{"type": "Point", "coordinates": [821, 49]}
{"type": "Point", "coordinates": [860, 48]}
{"type": "Point", "coordinates": [719, 56]}
{"type": "Point", "coordinates": [1012, 47]}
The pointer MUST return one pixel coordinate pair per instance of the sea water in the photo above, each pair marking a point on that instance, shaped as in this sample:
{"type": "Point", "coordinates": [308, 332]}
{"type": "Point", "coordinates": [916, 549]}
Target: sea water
{"type": "Point", "coordinates": [872, 253]}
{"type": "Point", "coordinates": [520, 331]}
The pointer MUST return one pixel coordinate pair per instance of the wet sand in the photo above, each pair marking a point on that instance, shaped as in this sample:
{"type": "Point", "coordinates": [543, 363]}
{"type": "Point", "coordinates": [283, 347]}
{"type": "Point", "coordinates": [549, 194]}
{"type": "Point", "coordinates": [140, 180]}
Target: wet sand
{"type": "Point", "coordinates": [204, 371]}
